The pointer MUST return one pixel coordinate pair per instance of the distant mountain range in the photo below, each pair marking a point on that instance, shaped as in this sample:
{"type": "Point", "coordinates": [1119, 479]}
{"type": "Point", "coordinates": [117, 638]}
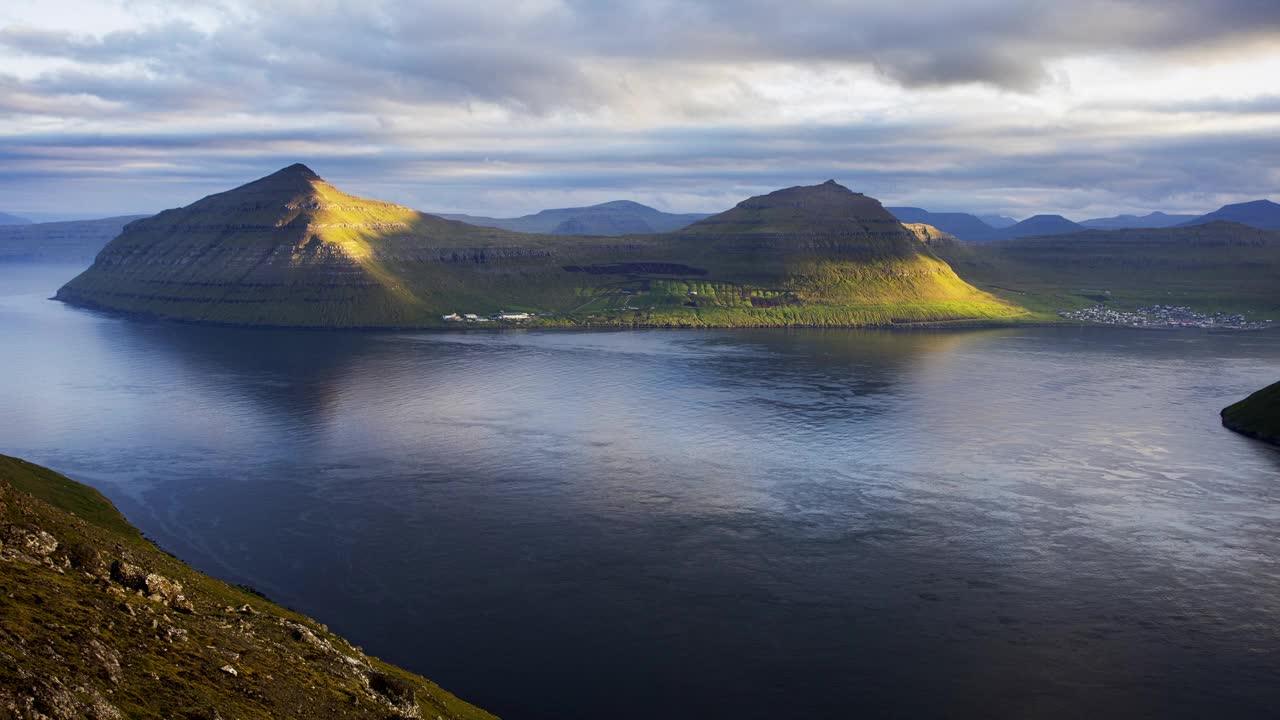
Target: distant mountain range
{"type": "Point", "coordinates": [620, 217]}
{"type": "Point", "coordinates": [7, 219]}
{"type": "Point", "coordinates": [1262, 214]}
{"type": "Point", "coordinates": [962, 225]}
{"type": "Point", "coordinates": [970, 227]}
{"type": "Point", "coordinates": [1137, 222]}
{"type": "Point", "coordinates": [1038, 225]}
{"type": "Point", "coordinates": [72, 241]}
{"type": "Point", "coordinates": [998, 221]}
{"type": "Point", "coordinates": [1259, 213]}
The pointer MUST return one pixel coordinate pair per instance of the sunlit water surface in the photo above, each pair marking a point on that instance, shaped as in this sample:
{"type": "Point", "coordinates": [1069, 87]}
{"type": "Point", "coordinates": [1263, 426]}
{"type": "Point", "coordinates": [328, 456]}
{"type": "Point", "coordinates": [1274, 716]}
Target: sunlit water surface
{"type": "Point", "coordinates": [756, 524]}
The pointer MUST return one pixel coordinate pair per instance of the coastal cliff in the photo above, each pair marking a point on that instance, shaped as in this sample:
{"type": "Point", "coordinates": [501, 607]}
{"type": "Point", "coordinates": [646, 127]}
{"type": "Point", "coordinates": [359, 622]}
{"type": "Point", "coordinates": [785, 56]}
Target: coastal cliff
{"type": "Point", "coordinates": [1257, 416]}
{"type": "Point", "coordinates": [96, 622]}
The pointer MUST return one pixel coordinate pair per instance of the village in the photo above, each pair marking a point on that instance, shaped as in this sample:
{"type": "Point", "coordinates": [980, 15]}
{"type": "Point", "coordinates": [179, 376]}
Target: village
{"type": "Point", "coordinates": [496, 317]}
{"type": "Point", "coordinates": [1165, 316]}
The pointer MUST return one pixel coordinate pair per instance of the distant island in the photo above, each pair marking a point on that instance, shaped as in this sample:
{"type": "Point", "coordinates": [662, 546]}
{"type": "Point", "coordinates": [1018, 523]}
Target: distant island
{"type": "Point", "coordinates": [292, 250]}
{"type": "Point", "coordinates": [1257, 416]}
{"type": "Point", "coordinates": [97, 622]}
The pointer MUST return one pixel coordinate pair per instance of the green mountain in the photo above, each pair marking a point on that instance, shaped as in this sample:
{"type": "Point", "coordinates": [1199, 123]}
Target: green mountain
{"type": "Point", "coordinates": [292, 250]}
{"type": "Point", "coordinates": [96, 622]}
{"type": "Point", "coordinates": [1215, 267]}
{"type": "Point", "coordinates": [1257, 416]}
{"type": "Point", "coordinates": [619, 217]}
{"type": "Point", "coordinates": [74, 241]}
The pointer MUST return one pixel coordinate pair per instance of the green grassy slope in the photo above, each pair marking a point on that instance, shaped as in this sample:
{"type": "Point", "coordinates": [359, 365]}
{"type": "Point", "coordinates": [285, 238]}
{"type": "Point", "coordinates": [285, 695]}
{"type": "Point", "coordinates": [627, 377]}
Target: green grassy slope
{"type": "Point", "coordinates": [92, 626]}
{"type": "Point", "coordinates": [290, 249]}
{"type": "Point", "coordinates": [1257, 415]}
{"type": "Point", "coordinates": [1216, 267]}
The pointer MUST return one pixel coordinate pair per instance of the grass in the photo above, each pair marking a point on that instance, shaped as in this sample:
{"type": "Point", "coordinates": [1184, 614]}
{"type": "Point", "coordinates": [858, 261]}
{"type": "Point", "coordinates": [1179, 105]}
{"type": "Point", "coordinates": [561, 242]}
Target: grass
{"type": "Point", "coordinates": [73, 638]}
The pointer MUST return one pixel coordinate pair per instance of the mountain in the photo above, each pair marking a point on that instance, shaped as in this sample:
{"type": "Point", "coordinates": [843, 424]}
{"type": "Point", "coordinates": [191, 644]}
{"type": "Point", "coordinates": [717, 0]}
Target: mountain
{"type": "Point", "coordinates": [76, 241]}
{"type": "Point", "coordinates": [1259, 213]}
{"type": "Point", "coordinates": [292, 250]}
{"type": "Point", "coordinates": [620, 217]}
{"type": "Point", "coordinates": [930, 235]}
{"type": "Point", "coordinates": [99, 623]}
{"type": "Point", "coordinates": [1257, 416]}
{"type": "Point", "coordinates": [962, 225]}
{"type": "Point", "coordinates": [1039, 225]}
{"type": "Point", "coordinates": [1125, 222]}
{"type": "Point", "coordinates": [998, 221]}
{"type": "Point", "coordinates": [1216, 267]}
{"type": "Point", "coordinates": [7, 219]}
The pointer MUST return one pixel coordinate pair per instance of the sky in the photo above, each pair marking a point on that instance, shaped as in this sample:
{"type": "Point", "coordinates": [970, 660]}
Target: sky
{"type": "Point", "coordinates": [1085, 108]}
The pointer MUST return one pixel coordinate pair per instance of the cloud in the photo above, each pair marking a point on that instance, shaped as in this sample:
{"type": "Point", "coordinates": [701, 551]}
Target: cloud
{"type": "Point", "coordinates": [493, 107]}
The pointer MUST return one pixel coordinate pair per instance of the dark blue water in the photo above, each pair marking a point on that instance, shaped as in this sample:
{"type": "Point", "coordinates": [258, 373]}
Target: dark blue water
{"type": "Point", "coordinates": [1003, 523]}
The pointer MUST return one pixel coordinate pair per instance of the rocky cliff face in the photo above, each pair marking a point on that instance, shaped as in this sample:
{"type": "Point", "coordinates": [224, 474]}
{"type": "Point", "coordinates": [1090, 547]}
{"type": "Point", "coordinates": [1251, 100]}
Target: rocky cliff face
{"type": "Point", "coordinates": [95, 622]}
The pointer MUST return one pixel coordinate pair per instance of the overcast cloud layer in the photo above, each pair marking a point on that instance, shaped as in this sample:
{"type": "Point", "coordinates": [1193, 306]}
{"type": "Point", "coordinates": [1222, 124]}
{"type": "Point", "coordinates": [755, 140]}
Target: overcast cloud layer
{"type": "Point", "coordinates": [1085, 108]}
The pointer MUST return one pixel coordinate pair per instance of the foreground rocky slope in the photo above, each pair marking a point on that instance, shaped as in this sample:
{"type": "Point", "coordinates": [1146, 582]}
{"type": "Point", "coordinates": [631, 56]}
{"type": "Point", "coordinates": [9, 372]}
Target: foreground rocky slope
{"type": "Point", "coordinates": [292, 250]}
{"type": "Point", "coordinates": [1257, 416]}
{"type": "Point", "coordinates": [95, 622]}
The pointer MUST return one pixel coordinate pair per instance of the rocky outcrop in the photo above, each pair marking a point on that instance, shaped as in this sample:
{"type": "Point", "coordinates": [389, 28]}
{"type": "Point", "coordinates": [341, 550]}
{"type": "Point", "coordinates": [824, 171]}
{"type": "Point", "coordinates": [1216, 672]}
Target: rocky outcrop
{"type": "Point", "coordinates": [1257, 416]}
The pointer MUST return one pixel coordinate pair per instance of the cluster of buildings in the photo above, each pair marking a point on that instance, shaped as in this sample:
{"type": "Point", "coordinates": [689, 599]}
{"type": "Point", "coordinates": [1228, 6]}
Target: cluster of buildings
{"type": "Point", "coordinates": [473, 318]}
{"type": "Point", "coordinates": [1164, 316]}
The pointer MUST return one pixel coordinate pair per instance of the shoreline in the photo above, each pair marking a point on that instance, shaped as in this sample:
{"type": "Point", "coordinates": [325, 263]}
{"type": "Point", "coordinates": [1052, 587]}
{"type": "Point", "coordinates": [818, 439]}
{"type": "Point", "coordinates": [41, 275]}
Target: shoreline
{"type": "Point", "coordinates": [498, 326]}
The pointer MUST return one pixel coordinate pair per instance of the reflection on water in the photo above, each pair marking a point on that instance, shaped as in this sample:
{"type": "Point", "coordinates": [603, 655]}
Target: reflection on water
{"type": "Point", "coordinates": [1005, 523]}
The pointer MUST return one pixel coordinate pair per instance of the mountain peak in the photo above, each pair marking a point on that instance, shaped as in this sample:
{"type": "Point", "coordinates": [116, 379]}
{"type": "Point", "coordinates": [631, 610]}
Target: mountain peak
{"type": "Point", "coordinates": [297, 170]}
{"type": "Point", "coordinates": [828, 209]}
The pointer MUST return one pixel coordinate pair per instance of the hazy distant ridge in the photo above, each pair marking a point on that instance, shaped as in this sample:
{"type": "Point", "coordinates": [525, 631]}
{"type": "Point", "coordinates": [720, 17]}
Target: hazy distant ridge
{"type": "Point", "coordinates": [619, 217]}
{"type": "Point", "coordinates": [72, 241]}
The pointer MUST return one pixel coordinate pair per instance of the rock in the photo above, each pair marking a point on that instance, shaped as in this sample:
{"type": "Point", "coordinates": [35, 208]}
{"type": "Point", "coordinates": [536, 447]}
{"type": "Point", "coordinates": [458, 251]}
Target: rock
{"type": "Point", "coordinates": [30, 541]}
{"type": "Point", "coordinates": [107, 658]}
{"type": "Point", "coordinates": [302, 633]}
{"type": "Point", "coordinates": [129, 575]}
{"type": "Point", "coordinates": [229, 670]}
{"type": "Point", "coordinates": [173, 634]}
{"type": "Point", "coordinates": [86, 558]}
{"type": "Point", "coordinates": [159, 587]}
{"type": "Point", "coordinates": [183, 605]}
{"type": "Point", "coordinates": [395, 691]}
